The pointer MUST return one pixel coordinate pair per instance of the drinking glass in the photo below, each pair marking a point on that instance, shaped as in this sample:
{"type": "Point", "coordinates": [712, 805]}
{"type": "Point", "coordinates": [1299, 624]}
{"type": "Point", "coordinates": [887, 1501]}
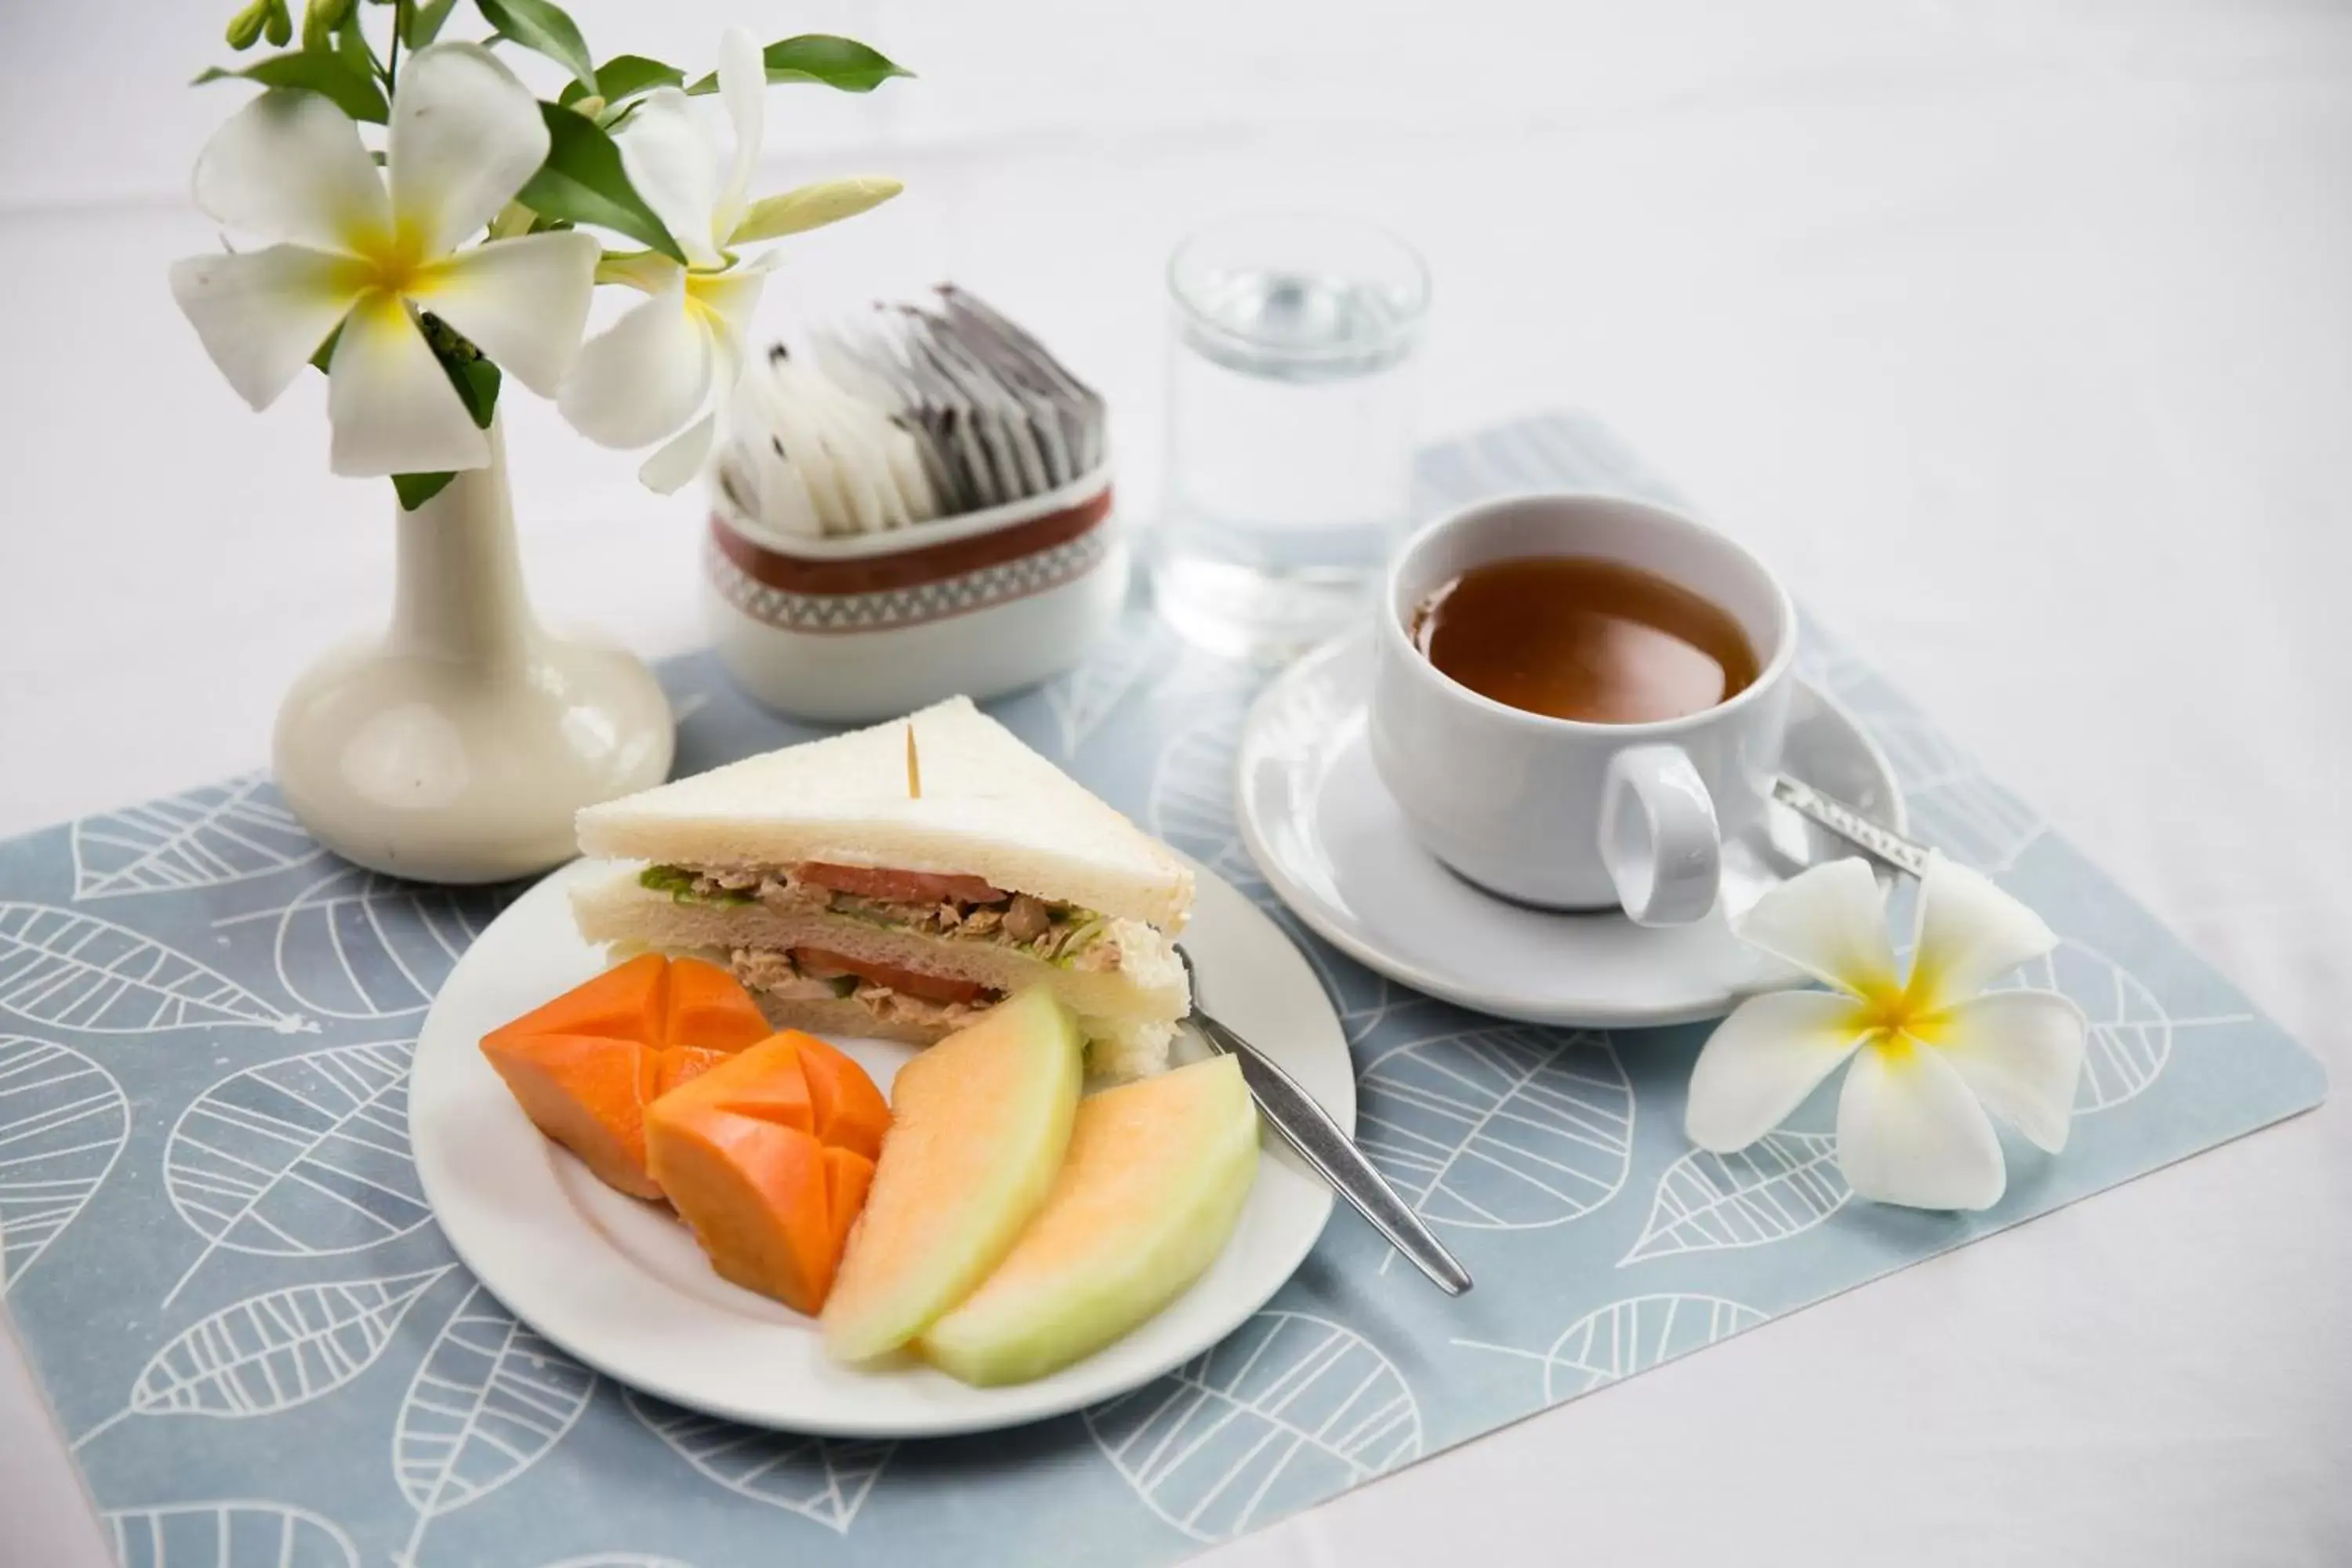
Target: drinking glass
{"type": "Point", "coordinates": [1290, 414]}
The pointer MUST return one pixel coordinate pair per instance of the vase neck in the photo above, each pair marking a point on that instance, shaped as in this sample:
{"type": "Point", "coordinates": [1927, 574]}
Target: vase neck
{"type": "Point", "coordinates": [459, 593]}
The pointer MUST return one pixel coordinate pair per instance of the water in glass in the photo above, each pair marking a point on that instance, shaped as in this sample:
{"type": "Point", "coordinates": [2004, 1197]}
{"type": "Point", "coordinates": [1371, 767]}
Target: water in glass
{"type": "Point", "coordinates": [1289, 441]}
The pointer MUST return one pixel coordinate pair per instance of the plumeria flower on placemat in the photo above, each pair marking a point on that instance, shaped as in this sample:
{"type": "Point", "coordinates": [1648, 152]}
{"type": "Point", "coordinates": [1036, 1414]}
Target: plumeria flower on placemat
{"type": "Point", "coordinates": [668, 367]}
{"type": "Point", "coordinates": [354, 252]}
{"type": "Point", "coordinates": [1933, 1051]}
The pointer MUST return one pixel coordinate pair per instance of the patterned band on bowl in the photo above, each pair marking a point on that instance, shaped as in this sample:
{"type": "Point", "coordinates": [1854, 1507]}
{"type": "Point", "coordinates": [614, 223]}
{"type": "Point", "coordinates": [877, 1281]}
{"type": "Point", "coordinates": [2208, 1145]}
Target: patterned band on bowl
{"type": "Point", "coordinates": [909, 587]}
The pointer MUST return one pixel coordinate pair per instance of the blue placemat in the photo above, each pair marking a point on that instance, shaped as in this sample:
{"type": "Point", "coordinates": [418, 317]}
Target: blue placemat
{"type": "Point", "coordinates": [217, 1255]}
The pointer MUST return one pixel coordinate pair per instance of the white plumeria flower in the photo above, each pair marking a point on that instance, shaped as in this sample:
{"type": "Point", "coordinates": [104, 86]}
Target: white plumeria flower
{"type": "Point", "coordinates": [1933, 1050]}
{"type": "Point", "coordinates": [668, 367]}
{"type": "Point", "coordinates": [367, 251]}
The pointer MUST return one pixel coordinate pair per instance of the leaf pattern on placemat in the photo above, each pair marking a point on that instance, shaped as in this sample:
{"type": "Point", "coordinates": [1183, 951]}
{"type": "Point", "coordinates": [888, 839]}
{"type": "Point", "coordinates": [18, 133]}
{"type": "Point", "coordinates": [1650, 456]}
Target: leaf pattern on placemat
{"type": "Point", "coordinates": [490, 1399]}
{"type": "Point", "coordinates": [272, 1351]}
{"type": "Point", "coordinates": [63, 967]}
{"type": "Point", "coordinates": [1500, 1129]}
{"type": "Point", "coordinates": [820, 1479]}
{"type": "Point", "coordinates": [205, 838]}
{"type": "Point", "coordinates": [239, 1534]}
{"type": "Point", "coordinates": [361, 945]}
{"type": "Point", "coordinates": [299, 1158]}
{"type": "Point", "coordinates": [1081, 698]}
{"type": "Point", "coordinates": [1952, 804]}
{"type": "Point", "coordinates": [63, 1121]}
{"type": "Point", "coordinates": [1782, 1183]}
{"type": "Point", "coordinates": [2130, 1037]}
{"type": "Point", "coordinates": [1625, 1337]}
{"type": "Point", "coordinates": [1286, 1411]}
{"type": "Point", "coordinates": [1191, 804]}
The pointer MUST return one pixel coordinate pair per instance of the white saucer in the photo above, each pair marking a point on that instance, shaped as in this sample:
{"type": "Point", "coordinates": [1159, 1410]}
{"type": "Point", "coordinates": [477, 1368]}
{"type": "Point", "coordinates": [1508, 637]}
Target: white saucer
{"type": "Point", "coordinates": [622, 1285]}
{"type": "Point", "coordinates": [1328, 838]}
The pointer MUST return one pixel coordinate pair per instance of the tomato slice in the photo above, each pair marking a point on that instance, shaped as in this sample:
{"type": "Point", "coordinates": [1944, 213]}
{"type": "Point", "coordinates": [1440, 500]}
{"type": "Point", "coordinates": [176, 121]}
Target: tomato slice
{"type": "Point", "coordinates": [822, 965]}
{"type": "Point", "coordinates": [901, 887]}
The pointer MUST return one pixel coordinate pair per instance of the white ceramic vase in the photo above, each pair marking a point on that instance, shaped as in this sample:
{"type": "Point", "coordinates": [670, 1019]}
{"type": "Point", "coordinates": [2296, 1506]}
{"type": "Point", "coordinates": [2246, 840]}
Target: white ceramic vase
{"type": "Point", "coordinates": [455, 746]}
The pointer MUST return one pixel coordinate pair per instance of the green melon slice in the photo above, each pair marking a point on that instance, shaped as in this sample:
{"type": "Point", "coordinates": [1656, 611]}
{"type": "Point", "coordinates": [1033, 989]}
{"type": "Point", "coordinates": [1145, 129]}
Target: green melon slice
{"type": "Point", "coordinates": [979, 1125]}
{"type": "Point", "coordinates": [1153, 1184]}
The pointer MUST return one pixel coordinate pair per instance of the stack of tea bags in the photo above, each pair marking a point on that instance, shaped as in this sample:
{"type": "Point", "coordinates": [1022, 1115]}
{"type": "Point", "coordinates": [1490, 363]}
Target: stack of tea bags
{"type": "Point", "coordinates": [917, 413]}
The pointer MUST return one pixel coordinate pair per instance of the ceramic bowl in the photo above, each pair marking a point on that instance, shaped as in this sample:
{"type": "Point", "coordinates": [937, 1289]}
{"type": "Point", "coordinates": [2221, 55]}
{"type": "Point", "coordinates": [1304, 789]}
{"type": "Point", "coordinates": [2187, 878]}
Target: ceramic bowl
{"type": "Point", "coordinates": [877, 625]}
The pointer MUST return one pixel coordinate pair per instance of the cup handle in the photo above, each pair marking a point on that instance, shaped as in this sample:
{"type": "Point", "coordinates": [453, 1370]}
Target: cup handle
{"type": "Point", "coordinates": [1658, 836]}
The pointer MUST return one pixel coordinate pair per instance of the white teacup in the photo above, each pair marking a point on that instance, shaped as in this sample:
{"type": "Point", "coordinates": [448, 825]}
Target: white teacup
{"type": "Point", "coordinates": [1558, 812]}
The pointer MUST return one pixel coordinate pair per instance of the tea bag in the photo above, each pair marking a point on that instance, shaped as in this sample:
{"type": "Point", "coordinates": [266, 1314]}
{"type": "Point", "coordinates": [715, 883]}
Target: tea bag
{"type": "Point", "coordinates": [880, 384]}
{"type": "Point", "coordinates": [912, 412]}
{"type": "Point", "coordinates": [832, 464]}
{"type": "Point", "coordinates": [1011, 426]}
{"type": "Point", "coordinates": [1065, 404]}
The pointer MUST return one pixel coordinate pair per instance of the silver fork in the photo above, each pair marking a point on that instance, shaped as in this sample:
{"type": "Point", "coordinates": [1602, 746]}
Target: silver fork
{"type": "Point", "coordinates": [1307, 1127]}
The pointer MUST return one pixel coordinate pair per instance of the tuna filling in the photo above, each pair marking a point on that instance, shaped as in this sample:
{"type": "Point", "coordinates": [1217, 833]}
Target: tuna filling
{"type": "Point", "coordinates": [892, 995]}
{"type": "Point", "coordinates": [952, 908]}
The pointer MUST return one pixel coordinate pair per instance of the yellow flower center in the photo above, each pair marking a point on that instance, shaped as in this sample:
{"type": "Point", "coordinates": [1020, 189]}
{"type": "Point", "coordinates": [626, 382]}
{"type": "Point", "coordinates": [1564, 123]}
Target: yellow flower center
{"type": "Point", "coordinates": [1897, 1019]}
{"type": "Point", "coordinates": [391, 260]}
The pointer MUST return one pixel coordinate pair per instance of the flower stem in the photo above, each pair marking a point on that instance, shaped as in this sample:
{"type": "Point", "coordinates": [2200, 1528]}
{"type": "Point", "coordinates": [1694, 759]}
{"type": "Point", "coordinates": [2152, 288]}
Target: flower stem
{"type": "Point", "coordinates": [399, 31]}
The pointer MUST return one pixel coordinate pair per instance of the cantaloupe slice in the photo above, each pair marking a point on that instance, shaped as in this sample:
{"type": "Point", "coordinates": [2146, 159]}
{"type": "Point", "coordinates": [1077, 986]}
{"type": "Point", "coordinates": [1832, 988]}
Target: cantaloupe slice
{"type": "Point", "coordinates": [767, 1156]}
{"type": "Point", "coordinates": [586, 1066]}
{"type": "Point", "coordinates": [979, 1125]}
{"type": "Point", "coordinates": [1155, 1180]}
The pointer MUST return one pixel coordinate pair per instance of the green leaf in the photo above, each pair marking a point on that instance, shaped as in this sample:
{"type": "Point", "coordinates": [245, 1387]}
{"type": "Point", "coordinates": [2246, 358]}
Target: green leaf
{"type": "Point", "coordinates": [424, 22]}
{"type": "Point", "coordinates": [813, 206]}
{"type": "Point", "coordinates": [329, 76]}
{"type": "Point", "coordinates": [624, 76]}
{"type": "Point", "coordinates": [352, 45]}
{"type": "Point", "coordinates": [823, 58]}
{"type": "Point", "coordinates": [543, 26]}
{"type": "Point", "coordinates": [582, 182]}
{"type": "Point", "coordinates": [476, 378]}
{"type": "Point", "coordinates": [325, 356]}
{"type": "Point", "coordinates": [415, 490]}
{"type": "Point", "coordinates": [476, 381]}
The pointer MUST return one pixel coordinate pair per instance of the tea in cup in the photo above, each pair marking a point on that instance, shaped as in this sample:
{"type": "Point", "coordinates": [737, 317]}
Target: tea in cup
{"type": "Point", "coordinates": [1577, 699]}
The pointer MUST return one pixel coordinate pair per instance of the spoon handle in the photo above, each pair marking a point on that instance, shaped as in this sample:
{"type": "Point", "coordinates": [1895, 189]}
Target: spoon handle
{"type": "Point", "coordinates": [1307, 1127]}
{"type": "Point", "coordinates": [1904, 855]}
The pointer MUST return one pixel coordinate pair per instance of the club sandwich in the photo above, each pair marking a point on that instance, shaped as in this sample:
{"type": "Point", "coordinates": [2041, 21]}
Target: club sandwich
{"type": "Point", "coordinates": [897, 881]}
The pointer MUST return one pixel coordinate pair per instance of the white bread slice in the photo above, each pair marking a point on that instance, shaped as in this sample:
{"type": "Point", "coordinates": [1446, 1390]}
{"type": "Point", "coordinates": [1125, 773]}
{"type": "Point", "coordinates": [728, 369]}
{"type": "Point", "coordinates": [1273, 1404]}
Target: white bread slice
{"type": "Point", "coordinates": [1148, 984]}
{"type": "Point", "coordinates": [990, 807]}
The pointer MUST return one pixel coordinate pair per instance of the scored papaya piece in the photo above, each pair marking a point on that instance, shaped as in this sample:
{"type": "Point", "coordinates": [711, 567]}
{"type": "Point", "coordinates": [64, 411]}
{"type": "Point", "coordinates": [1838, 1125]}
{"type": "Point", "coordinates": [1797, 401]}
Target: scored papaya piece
{"type": "Point", "coordinates": [626, 1002]}
{"type": "Point", "coordinates": [587, 1092]}
{"type": "Point", "coordinates": [848, 1177]}
{"type": "Point", "coordinates": [586, 1066]}
{"type": "Point", "coordinates": [681, 1065]}
{"type": "Point", "coordinates": [767, 1157]}
{"type": "Point", "coordinates": [849, 1112]}
{"type": "Point", "coordinates": [755, 1196]}
{"type": "Point", "coordinates": [709, 1008]}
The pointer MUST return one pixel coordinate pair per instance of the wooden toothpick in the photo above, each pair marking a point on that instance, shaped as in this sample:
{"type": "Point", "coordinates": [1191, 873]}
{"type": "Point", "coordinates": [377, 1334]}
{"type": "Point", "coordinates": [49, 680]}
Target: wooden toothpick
{"type": "Point", "coordinates": [914, 768]}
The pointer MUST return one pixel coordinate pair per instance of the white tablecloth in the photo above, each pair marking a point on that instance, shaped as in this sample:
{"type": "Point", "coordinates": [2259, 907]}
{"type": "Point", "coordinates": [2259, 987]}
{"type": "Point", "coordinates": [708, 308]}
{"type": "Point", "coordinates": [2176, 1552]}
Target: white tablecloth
{"type": "Point", "coordinates": [2019, 334]}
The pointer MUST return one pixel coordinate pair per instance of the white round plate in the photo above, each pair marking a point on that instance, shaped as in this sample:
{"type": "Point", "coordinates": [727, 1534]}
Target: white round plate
{"type": "Point", "coordinates": [621, 1285]}
{"type": "Point", "coordinates": [1332, 843]}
